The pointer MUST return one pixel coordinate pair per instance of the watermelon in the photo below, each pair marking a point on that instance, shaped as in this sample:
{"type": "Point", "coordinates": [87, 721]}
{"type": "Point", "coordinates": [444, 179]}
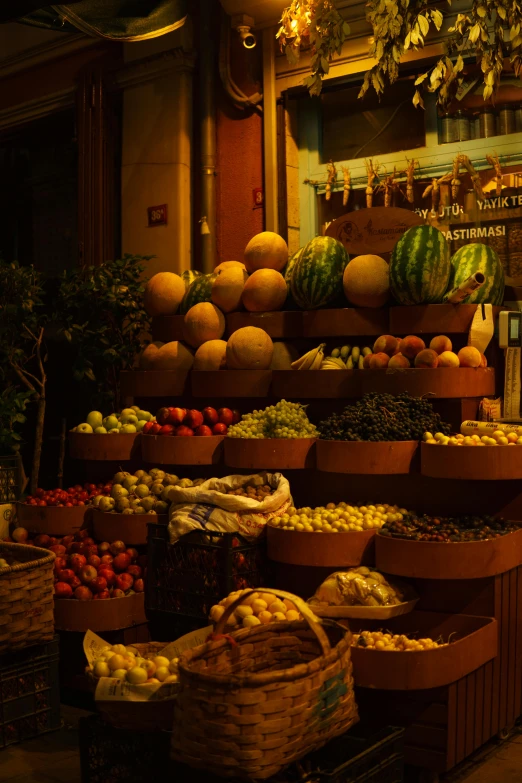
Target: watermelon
{"type": "Point", "coordinates": [188, 277]}
{"type": "Point", "coordinates": [200, 290]}
{"type": "Point", "coordinates": [287, 274]}
{"type": "Point", "coordinates": [478, 258]}
{"type": "Point", "coordinates": [420, 266]}
{"type": "Point", "coordinates": [316, 279]}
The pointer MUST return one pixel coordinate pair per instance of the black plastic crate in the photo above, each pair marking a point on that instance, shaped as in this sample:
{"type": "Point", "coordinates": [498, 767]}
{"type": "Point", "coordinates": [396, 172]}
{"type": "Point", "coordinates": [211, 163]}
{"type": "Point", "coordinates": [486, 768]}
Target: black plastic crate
{"type": "Point", "coordinates": [184, 580]}
{"type": "Point", "coordinates": [10, 479]}
{"type": "Point", "coordinates": [29, 692]}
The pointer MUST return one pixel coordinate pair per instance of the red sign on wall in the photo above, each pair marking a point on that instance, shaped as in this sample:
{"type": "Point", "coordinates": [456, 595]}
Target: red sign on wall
{"type": "Point", "coordinates": [157, 215]}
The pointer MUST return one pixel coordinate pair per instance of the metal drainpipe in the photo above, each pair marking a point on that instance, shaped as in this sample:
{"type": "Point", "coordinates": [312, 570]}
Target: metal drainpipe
{"type": "Point", "coordinates": [207, 90]}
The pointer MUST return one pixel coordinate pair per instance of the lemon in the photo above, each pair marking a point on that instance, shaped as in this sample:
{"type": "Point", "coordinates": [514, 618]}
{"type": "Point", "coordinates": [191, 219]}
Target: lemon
{"type": "Point", "coordinates": [137, 675]}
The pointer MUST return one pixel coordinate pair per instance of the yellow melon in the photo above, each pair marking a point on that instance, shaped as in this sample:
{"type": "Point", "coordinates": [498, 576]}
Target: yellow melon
{"type": "Point", "coordinates": [227, 265]}
{"type": "Point", "coordinates": [250, 348]}
{"type": "Point", "coordinates": [173, 356]}
{"type": "Point", "coordinates": [283, 356]}
{"type": "Point", "coordinates": [163, 294]}
{"type": "Point", "coordinates": [366, 281]}
{"type": "Point", "coordinates": [228, 287]}
{"type": "Point", "coordinates": [266, 251]}
{"type": "Point", "coordinates": [204, 321]}
{"type": "Point", "coordinates": [149, 356]}
{"type": "Point", "coordinates": [211, 355]}
{"type": "Point", "coordinates": [265, 290]}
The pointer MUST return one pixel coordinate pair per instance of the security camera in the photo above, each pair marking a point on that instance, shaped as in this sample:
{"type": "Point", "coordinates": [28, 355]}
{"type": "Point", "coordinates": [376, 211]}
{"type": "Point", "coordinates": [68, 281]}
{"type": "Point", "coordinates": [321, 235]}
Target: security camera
{"type": "Point", "coordinates": [243, 24]}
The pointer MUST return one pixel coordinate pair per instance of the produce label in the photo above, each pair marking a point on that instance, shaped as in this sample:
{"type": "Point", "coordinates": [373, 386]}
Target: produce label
{"type": "Point", "coordinates": [374, 230]}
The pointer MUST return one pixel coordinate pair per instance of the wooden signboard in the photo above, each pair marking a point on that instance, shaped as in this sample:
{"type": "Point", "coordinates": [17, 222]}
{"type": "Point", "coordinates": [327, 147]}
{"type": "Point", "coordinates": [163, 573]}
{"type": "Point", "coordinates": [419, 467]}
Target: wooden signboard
{"type": "Point", "coordinates": [374, 230]}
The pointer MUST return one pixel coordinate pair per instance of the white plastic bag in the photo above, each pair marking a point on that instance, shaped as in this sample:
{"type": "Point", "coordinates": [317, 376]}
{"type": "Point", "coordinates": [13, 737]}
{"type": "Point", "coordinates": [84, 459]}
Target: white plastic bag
{"type": "Point", "coordinates": [207, 507]}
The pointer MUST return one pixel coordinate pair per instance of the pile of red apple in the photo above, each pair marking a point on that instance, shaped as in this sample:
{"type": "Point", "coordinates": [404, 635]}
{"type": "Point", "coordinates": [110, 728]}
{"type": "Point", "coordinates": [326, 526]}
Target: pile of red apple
{"type": "Point", "coordinates": [186, 422]}
{"type": "Point", "coordinates": [74, 496]}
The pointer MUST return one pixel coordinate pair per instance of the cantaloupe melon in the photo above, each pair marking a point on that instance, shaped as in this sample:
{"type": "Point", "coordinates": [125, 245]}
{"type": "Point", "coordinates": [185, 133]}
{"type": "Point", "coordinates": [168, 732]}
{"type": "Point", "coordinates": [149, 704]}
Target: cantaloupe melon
{"type": "Point", "coordinates": [211, 355]}
{"type": "Point", "coordinates": [149, 356]}
{"type": "Point", "coordinates": [228, 265]}
{"type": "Point", "coordinates": [228, 287]}
{"type": "Point", "coordinates": [163, 294]}
{"type": "Point", "coordinates": [203, 322]}
{"type": "Point", "coordinates": [283, 356]}
{"type": "Point", "coordinates": [266, 251]}
{"type": "Point", "coordinates": [366, 281]}
{"type": "Point", "coordinates": [250, 348]}
{"type": "Point", "coordinates": [172, 356]}
{"type": "Point", "coordinates": [264, 291]}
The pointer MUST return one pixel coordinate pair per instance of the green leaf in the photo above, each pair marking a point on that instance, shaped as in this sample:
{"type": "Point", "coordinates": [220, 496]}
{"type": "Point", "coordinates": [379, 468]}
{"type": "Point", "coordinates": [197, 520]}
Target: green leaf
{"type": "Point", "coordinates": [421, 78]}
{"type": "Point", "coordinates": [423, 24]}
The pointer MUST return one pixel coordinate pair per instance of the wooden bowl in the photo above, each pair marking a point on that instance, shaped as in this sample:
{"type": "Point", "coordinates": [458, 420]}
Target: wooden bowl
{"type": "Point", "coordinates": [282, 325]}
{"type": "Point", "coordinates": [363, 457]}
{"type": "Point", "coordinates": [104, 447]}
{"type": "Point", "coordinates": [153, 383]}
{"type": "Point", "coordinates": [231, 383]}
{"type": "Point", "coordinates": [171, 450]}
{"type": "Point", "coordinates": [475, 644]}
{"type": "Point", "coordinates": [52, 520]}
{"type": "Point", "coordinates": [270, 453]}
{"type": "Point", "coordinates": [109, 615]}
{"type": "Point", "coordinates": [335, 550]}
{"type": "Point", "coordinates": [452, 560]}
{"type": "Point", "coordinates": [131, 528]}
{"type": "Point", "coordinates": [491, 463]}
{"type": "Point", "coordinates": [352, 321]}
{"type": "Point", "coordinates": [166, 328]}
{"type": "Point", "coordinates": [434, 318]}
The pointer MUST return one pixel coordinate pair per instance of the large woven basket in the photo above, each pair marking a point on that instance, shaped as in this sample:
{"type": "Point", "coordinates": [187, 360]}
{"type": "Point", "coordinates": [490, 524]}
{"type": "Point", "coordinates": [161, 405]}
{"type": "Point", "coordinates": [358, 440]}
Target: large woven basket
{"type": "Point", "coordinates": [258, 699]}
{"type": "Point", "coordinates": [26, 597]}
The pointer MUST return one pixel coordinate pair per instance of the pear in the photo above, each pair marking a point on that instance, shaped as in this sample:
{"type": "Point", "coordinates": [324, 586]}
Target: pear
{"type": "Point", "coordinates": [148, 503]}
{"type": "Point", "coordinates": [161, 507]}
{"type": "Point", "coordinates": [186, 483]}
{"type": "Point", "coordinates": [118, 491]}
{"type": "Point", "coordinates": [170, 480]}
{"type": "Point", "coordinates": [96, 500]}
{"type": "Point", "coordinates": [140, 473]}
{"type": "Point", "coordinates": [139, 510]}
{"type": "Point", "coordinates": [165, 495]}
{"type": "Point", "coordinates": [134, 503]}
{"type": "Point", "coordinates": [114, 431]}
{"type": "Point", "coordinates": [157, 488]}
{"type": "Point", "coordinates": [141, 490]}
{"type": "Point", "coordinates": [122, 504]}
{"type": "Point", "coordinates": [157, 474]}
{"type": "Point", "coordinates": [106, 504]}
{"type": "Point", "coordinates": [152, 512]}
{"type": "Point", "coordinates": [120, 477]}
{"type": "Point", "coordinates": [128, 511]}
{"type": "Point", "coordinates": [146, 480]}
{"type": "Point", "coordinates": [128, 482]}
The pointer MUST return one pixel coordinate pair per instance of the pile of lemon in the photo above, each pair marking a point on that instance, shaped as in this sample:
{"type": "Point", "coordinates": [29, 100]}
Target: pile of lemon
{"type": "Point", "coordinates": [126, 664]}
{"type": "Point", "coordinates": [338, 518]}
{"type": "Point", "coordinates": [377, 640]}
{"type": "Point", "coordinates": [497, 438]}
{"type": "Point", "coordinates": [255, 609]}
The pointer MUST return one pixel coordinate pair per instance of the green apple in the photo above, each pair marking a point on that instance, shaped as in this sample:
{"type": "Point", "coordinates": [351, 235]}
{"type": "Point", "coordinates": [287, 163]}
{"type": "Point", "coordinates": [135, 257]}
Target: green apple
{"type": "Point", "coordinates": [127, 412]}
{"type": "Point", "coordinates": [110, 422]}
{"type": "Point", "coordinates": [95, 419]}
{"type": "Point", "coordinates": [143, 415]}
{"type": "Point", "coordinates": [118, 492]}
{"type": "Point", "coordinates": [120, 425]}
{"type": "Point", "coordinates": [135, 408]}
{"type": "Point", "coordinates": [139, 510]}
{"type": "Point", "coordinates": [122, 504]}
{"type": "Point", "coordinates": [128, 482]}
{"type": "Point", "coordinates": [141, 491]}
{"type": "Point", "coordinates": [100, 431]}
{"type": "Point", "coordinates": [85, 428]}
{"type": "Point", "coordinates": [140, 425]}
{"type": "Point", "coordinates": [120, 477]}
{"type": "Point", "coordinates": [161, 507]}
{"type": "Point", "coordinates": [157, 474]}
{"type": "Point", "coordinates": [157, 488]}
{"type": "Point", "coordinates": [148, 503]}
{"type": "Point", "coordinates": [114, 431]}
{"type": "Point", "coordinates": [146, 480]}
{"type": "Point", "coordinates": [128, 429]}
{"type": "Point", "coordinates": [129, 419]}
{"type": "Point", "coordinates": [128, 511]}
{"type": "Point", "coordinates": [140, 473]}
{"type": "Point", "coordinates": [106, 504]}
{"type": "Point", "coordinates": [170, 480]}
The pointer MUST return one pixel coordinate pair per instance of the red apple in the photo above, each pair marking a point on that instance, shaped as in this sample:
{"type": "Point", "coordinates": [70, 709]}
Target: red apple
{"type": "Point", "coordinates": [103, 547]}
{"type": "Point", "coordinates": [108, 575]}
{"type": "Point", "coordinates": [91, 550]}
{"type": "Point", "coordinates": [77, 547]}
{"type": "Point", "coordinates": [132, 553]}
{"type": "Point", "coordinates": [83, 593]}
{"type": "Point", "coordinates": [162, 416]}
{"type": "Point", "coordinates": [203, 431]}
{"type": "Point", "coordinates": [106, 559]}
{"type": "Point", "coordinates": [60, 563]}
{"type": "Point", "coordinates": [219, 428]}
{"type": "Point", "coordinates": [67, 540]}
{"type": "Point", "coordinates": [94, 560]}
{"type": "Point", "coordinates": [225, 416]}
{"type": "Point", "coordinates": [117, 593]}
{"type": "Point", "coordinates": [75, 582]}
{"type": "Point", "coordinates": [184, 432]}
{"type": "Point", "coordinates": [133, 570]}
{"type": "Point", "coordinates": [58, 549]}
{"type": "Point", "coordinates": [167, 429]}
{"type": "Point", "coordinates": [124, 582]}
{"type": "Point", "coordinates": [193, 419]}
{"type": "Point", "coordinates": [98, 584]}
{"type": "Point", "coordinates": [147, 427]}
{"type": "Point", "coordinates": [63, 590]}
{"type": "Point", "coordinates": [102, 596]}
{"type": "Point", "coordinates": [154, 429]}
{"type": "Point", "coordinates": [138, 586]}
{"type": "Point", "coordinates": [88, 541]}
{"type": "Point", "coordinates": [176, 415]}
{"type": "Point", "coordinates": [77, 562]}
{"type": "Point", "coordinates": [87, 573]}
{"type": "Point", "coordinates": [121, 562]}
{"type": "Point", "coordinates": [42, 540]}
{"type": "Point", "coordinates": [65, 575]}
{"type": "Point", "coordinates": [83, 533]}
{"type": "Point", "coordinates": [117, 547]}
{"type": "Point", "coordinates": [210, 416]}
{"type": "Point", "coordinates": [236, 416]}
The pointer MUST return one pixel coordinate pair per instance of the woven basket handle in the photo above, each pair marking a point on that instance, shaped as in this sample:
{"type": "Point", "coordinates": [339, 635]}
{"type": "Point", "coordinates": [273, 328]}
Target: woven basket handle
{"type": "Point", "coordinates": [313, 622]}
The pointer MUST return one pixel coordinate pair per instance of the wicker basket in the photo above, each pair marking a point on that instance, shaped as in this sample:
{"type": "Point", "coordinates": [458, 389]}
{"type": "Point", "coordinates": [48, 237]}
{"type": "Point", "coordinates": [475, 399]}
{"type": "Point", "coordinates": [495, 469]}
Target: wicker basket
{"type": "Point", "coordinates": [258, 699]}
{"type": "Point", "coordinates": [153, 715]}
{"type": "Point", "coordinates": [26, 597]}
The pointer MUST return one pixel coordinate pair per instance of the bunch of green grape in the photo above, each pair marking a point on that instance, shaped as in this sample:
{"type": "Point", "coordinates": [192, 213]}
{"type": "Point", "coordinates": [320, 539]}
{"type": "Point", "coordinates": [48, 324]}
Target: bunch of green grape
{"type": "Point", "coordinates": [283, 420]}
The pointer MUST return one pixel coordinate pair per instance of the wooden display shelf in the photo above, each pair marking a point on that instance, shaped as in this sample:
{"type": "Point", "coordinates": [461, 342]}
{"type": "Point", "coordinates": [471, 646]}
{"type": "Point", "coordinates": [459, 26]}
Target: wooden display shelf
{"type": "Point", "coordinates": [131, 528]}
{"type": "Point", "coordinates": [171, 450]}
{"type": "Point", "coordinates": [346, 322]}
{"type": "Point", "coordinates": [104, 447]}
{"type": "Point", "coordinates": [109, 615]}
{"type": "Point", "coordinates": [452, 560]}
{"type": "Point", "coordinates": [166, 328]}
{"type": "Point", "coordinates": [363, 457]}
{"type": "Point", "coordinates": [285, 324]}
{"type": "Point", "coordinates": [52, 520]}
{"type": "Point", "coordinates": [335, 550]}
{"type": "Point", "coordinates": [270, 453]}
{"type": "Point", "coordinates": [231, 383]}
{"type": "Point", "coordinates": [489, 463]}
{"type": "Point", "coordinates": [434, 318]}
{"type": "Point", "coordinates": [153, 383]}
{"type": "Point", "coordinates": [474, 643]}
{"type": "Point", "coordinates": [444, 383]}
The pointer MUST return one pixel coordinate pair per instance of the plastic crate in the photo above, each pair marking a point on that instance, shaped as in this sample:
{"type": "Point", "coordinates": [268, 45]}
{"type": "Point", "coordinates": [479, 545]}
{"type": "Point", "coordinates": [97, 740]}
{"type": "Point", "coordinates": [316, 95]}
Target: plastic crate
{"type": "Point", "coordinates": [29, 692]}
{"type": "Point", "coordinates": [184, 580]}
{"type": "Point", "coordinates": [10, 479]}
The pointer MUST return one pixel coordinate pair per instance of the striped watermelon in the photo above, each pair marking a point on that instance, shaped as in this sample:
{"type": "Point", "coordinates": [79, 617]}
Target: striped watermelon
{"type": "Point", "coordinates": [316, 279]}
{"type": "Point", "coordinates": [479, 258]}
{"type": "Point", "coordinates": [420, 266]}
{"type": "Point", "coordinates": [287, 274]}
{"type": "Point", "coordinates": [188, 277]}
{"type": "Point", "coordinates": [200, 290]}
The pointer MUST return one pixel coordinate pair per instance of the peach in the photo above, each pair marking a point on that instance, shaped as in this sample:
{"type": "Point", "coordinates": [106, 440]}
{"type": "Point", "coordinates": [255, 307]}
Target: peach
{"type": "Point", "coordinates": [398, 361]}
{"type": "Point", "coordinates": [449, 359]}
{"type": "Point", "coordinates": [379, 360]}
{"type": "Point", "coordinates": [386, 344]}
{"type": "Point", "coordinates": [411, 345]}
{"type": "Point", "coordinates": [427, 358]}
{"type": "Point", "coordinates": [366, 361]}
{"type": "Point", "coordinates": [483, 360]}
{"type": "Point", "coordinates": [441, 343]}
{"type": "Point", "coordinates": [469, 357]}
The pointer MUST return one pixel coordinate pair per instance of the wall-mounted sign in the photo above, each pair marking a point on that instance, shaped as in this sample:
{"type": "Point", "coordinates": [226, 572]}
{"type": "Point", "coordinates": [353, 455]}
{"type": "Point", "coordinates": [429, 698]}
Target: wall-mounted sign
{"type": "Point", "coordinates": [374, 230]}
{"type": "Point", "coordinates": [258, 196]}
{"type": "Point", "coordinates": [157, 215]}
